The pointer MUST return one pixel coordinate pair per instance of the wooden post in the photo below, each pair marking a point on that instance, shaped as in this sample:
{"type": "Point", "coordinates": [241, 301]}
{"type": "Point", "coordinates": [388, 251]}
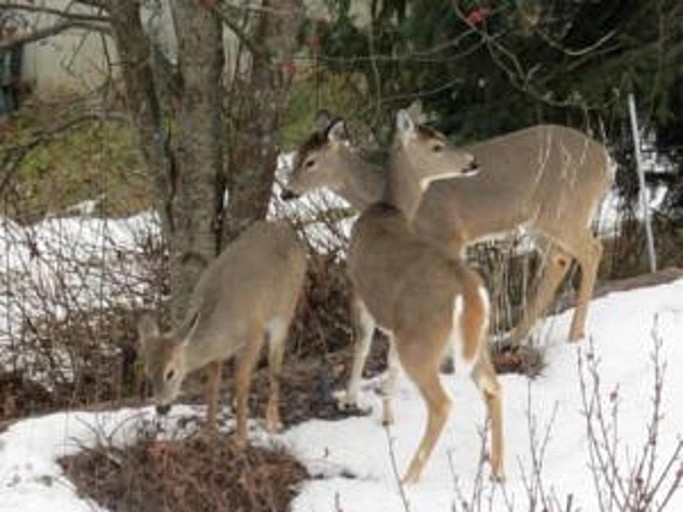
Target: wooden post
{"type": "Point", "coordinates": [652, 255]}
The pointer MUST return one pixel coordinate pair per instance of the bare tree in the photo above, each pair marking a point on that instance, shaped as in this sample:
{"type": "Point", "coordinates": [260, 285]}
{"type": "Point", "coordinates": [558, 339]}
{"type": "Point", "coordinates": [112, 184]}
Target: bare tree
{"type": "Point", "coordinates": [200, 127]}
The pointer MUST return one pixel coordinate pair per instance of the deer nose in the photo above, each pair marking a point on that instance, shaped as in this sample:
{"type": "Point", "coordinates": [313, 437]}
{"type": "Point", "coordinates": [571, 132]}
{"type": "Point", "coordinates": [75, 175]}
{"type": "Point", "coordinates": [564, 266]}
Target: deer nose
{"type": "Point", "coordinates": [288, 194]}
{"type": "Point", "coordinates": [472, 167]}
{"type": "Point", "coordinates": [163, 409]}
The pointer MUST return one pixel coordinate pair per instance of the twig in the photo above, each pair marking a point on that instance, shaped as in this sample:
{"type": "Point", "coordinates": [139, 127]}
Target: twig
{"type": "Point", "coordinates": [57, 28]}
{"type": "Point", "coordinates": [394, 468]}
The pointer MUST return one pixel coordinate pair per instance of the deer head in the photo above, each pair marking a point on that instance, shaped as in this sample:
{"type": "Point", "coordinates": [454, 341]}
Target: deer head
{"type": "Point", "coordinates": [163, 355]}
{"type": "Point", "coordinates": [420, 156]}
{"type": "Point", "coordinates": [317, 159]}
{"type": "Point", "coordinates": [426, 155]}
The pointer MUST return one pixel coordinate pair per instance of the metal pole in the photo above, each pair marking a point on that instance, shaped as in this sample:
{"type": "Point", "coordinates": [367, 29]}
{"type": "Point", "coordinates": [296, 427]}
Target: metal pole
{"type": "Point", "coordinates": [652, 255]}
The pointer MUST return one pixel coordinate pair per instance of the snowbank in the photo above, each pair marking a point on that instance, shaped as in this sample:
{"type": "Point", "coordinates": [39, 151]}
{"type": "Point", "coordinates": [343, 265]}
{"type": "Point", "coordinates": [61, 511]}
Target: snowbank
{"type": "Point", "coordinates": [354, 455]}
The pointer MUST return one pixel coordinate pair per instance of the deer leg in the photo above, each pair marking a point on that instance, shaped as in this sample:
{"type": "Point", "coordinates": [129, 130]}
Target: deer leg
{"type": "Point", "coordinates": [213, 384]}
{"type": "Point", "coordinates": [276, 352]}
{"type": "Point", "coordinates": [555, 270]}
{"type": "Point", "coordinates": [389, 384]}
{"type": "Point", "coordinates": [245, 367]}
{"type": "Point", "coordinates": [485, 378]}
{"type": "Point", "coordinates": [363, 328]}
{"type": "Point", "coordinates": [424, 371]}
{"type": "Point", "coordinates": [589, 262]}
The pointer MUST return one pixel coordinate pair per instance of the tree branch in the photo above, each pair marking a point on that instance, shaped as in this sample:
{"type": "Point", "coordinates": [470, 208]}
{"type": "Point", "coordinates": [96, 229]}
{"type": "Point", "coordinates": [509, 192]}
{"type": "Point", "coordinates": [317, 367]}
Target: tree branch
{"type": "Point", "coordinates": [237, 30]}
{"type": "Point", "coordinates": [75, 16]}
{"type": "Point", "coordinates": [52, 30]}
{"type": "Point", "coordinates": [100, 4]}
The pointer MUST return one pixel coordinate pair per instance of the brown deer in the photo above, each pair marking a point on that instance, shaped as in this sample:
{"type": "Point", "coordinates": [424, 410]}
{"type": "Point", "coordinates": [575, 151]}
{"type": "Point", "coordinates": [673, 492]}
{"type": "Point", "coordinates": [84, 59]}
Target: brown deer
{"type": "Point", "coordinates": [247, 294]}
{"type": "Point", "coordinates": [548, 179]}
{"type": "Point", "coordinates": [426, 301]}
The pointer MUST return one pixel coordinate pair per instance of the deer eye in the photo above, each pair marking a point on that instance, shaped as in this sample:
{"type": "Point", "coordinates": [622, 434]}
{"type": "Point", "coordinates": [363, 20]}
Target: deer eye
{"type": "Point", "coordinates": [170, 374]}
{"type": "Point", "coordinates": [437, 148]}
{"type": "Point", "coordinates": [309, 163]}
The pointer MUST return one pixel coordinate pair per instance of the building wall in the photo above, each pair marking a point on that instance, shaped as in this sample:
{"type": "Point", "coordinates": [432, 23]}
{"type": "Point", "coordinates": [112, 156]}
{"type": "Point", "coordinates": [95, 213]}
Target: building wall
{"type": "Point", "coordinates": [71, 62]}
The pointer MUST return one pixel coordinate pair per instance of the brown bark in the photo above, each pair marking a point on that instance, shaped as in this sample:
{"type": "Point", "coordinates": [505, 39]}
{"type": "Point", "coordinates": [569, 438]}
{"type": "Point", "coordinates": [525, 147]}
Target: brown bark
{"type": "Point", "coordinates": [198, 185]}
{"type": "Point", "coordinates": [265, 95]}
{"type": "Point", "coordinates": [186, 173]}
{"type": "Point", "coordinates": [142, 102]}
{"type": "Point", "coordinates": [177, 118]}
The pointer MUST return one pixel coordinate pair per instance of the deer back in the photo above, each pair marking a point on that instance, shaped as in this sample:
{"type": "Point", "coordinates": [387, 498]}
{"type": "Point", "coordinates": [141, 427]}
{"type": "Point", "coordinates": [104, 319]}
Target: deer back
{"type": "Point", "coordinates": [532, 176]}
{"type": "Point", "coordinates": [546, 173]}
{"type": "Point", "coordinates": [257, 278]}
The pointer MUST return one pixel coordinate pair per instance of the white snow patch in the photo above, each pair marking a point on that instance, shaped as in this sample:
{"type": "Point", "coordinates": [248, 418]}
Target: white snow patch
{"type": "Point", "coordinates": [79, 262]}
{"type": "Point", "coordinates": [353, 458]}
{"type": "Point", "coordinates": [620, 326]}
{"type": "Point", "coordinates": [30, 476]}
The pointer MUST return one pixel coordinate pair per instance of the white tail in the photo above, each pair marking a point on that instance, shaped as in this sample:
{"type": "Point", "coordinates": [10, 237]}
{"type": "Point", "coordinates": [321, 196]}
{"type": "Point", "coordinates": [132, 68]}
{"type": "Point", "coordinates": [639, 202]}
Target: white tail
{"type": "Point", "coordinates": [425, 301]}
{"type": "Point", "coordinates": [249, 293]}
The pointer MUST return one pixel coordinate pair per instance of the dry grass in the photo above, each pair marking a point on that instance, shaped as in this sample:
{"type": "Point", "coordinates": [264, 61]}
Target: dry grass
{"type": "Point", "coordinates": [195, 474]}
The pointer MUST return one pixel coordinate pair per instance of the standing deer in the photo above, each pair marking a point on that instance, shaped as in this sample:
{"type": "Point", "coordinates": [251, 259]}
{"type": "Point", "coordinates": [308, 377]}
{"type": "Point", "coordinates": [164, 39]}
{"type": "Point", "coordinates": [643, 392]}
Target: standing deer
{"type": "Point", "coordinates": [247, 294]}
{"type": "Point", "coordinates": [427, 302]}
{"type": "Point", "coordinates": [548, 179]}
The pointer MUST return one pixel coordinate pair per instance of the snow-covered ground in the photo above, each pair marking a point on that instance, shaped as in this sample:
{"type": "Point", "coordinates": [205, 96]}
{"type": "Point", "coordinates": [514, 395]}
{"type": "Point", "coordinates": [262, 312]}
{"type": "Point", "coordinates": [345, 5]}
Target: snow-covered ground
{"type": "Point", "coordinates": [68, 264]}
{"type": "Point", "coordinates": [354, 454]}
{"type": "Point", "coordinates": [621, 328]}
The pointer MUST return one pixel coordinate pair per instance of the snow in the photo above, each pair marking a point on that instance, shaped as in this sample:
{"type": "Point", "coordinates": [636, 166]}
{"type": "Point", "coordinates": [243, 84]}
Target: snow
{"type": "Point", "coordinates": [75, 262]}
{"type": "Point", "coordinates": [610, 212]}
{"type": "Point", "coordinates": [620, 326]}
{"type": "Point", "coordinates": [30, 477]}
{"type": "Point", "coordinates": [353, 459]}
{"type": "Point", "coordinates": [356, 461]}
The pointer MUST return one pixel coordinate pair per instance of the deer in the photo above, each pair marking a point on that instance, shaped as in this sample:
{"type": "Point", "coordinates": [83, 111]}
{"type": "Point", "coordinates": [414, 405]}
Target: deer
{"type": "Point", "coordinates": [547, 179]}
{"type": "Point", "coordinates": [427, 302]}
{"type": "Point", "coordinates": [245, 296]}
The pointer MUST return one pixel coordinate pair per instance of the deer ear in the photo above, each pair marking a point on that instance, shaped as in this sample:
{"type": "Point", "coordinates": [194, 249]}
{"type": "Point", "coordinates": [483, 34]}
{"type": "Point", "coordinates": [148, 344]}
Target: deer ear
{"type": "Point", "coordinates": [338, 133]}
{"type": "Point", "coordinates": [405, 124]}
{"type": "Point", "coordinates": [322, 122]}
{"type": "Point", "coordinates": [147, 327]}
{"type": "Point", "coordinates": [188, 328]}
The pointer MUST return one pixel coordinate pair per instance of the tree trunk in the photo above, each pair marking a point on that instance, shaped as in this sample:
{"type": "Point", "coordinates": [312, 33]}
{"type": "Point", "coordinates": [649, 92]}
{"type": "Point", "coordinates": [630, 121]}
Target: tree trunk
{"type": "Point", "coordinates": [142, 102]}
{"type": "Point", "coordinates": [255, 147]}
{"type": "Point", "coordinates": [198, 182]}
{"type": "Point", "coordinates": [185, 162]}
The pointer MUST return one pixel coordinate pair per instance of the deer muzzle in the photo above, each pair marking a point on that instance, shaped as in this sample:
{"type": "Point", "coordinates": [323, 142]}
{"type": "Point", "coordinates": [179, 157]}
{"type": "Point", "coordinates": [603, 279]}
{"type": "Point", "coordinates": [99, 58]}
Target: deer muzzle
{"type": "Point", "coordinates": [162, 409]}
{"type": "Point", "coordinates": [472, 169]}
{"type": "Point", "coordinates": [288, 194]}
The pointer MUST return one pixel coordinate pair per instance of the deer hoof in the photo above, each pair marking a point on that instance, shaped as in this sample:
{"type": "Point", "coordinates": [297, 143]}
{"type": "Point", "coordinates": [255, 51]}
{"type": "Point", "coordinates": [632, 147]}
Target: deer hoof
{"type": "Point", "coordinates": [274, 425]}
{"type": "Point", "coordinates": [238, 443]}
{"type": "Point", "coordinates": [273, 419]}
{"type": "Point", "coordinates": [347, 402]}
{"type": "Point", "coordinates": [498, 478]}
{"type": "Point", "coordinates": [388, 419]}
{"type": "Point", "coordinates": [410, 478]}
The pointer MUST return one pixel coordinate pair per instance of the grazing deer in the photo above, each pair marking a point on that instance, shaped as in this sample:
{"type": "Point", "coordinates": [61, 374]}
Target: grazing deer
{"type": "Point", "coordinates": [427, 302]}
{"type": "Point", "coordinates": [247, 294]}
{"type": "Point", "coordinates": [548, 179]}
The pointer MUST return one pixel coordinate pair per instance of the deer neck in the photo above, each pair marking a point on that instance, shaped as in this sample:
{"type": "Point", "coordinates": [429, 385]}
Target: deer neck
{"type": "Point", "coordinates": [362, 183]}
{"type": "Point", "coordinates": [198, 352]}
{"type": "Point", "coordinates": [402, 190]}
{"type": "Point", "coordinates": [195, 357]}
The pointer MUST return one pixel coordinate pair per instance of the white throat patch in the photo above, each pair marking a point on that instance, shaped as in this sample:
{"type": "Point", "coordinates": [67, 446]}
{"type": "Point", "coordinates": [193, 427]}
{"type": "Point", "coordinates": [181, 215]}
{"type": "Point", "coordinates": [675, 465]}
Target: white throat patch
{"type": "Point", "coordinates": [425, 182]}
